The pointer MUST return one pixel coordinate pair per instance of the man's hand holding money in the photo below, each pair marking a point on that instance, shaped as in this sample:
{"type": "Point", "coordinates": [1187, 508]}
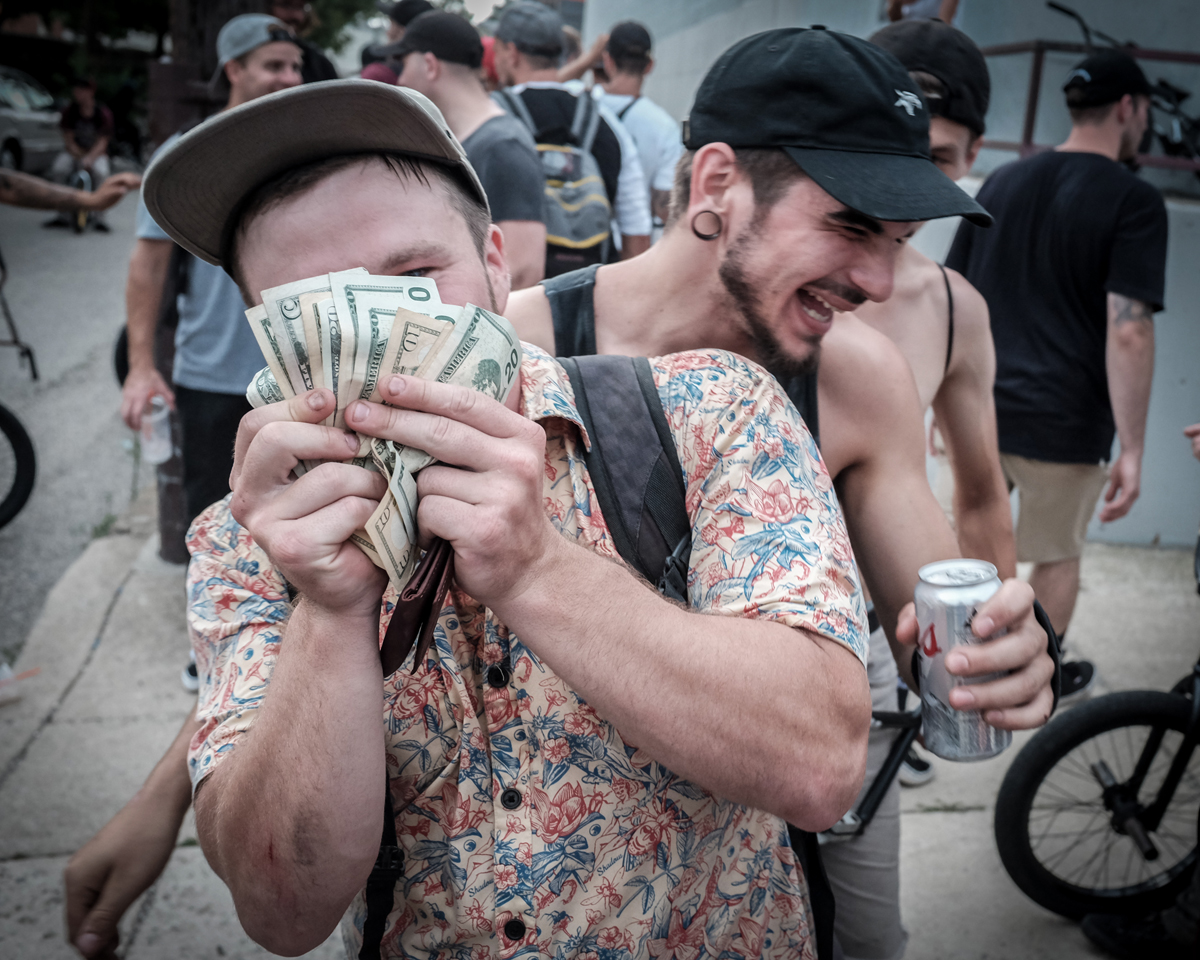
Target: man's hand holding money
{"type": "Point", "coordinates": [305, 524]}
{"type": "Point", "coordinates": [484, 492]}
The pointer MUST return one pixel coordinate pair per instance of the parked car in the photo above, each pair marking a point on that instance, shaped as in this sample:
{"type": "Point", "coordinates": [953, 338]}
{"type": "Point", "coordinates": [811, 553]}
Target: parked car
{"type": "Point", "coordinates": [30, 137]}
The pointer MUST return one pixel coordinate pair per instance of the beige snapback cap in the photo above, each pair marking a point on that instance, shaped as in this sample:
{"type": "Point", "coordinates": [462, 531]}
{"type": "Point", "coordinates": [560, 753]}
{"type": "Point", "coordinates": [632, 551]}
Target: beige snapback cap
{"type": "Point", "coordinates": [195, 188]}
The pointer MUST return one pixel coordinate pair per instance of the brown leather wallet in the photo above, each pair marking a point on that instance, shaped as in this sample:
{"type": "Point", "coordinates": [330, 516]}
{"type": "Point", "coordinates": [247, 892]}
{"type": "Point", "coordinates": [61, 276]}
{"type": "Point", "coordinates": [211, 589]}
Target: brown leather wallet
{"type": "Point", "coordinates": [417, 609]}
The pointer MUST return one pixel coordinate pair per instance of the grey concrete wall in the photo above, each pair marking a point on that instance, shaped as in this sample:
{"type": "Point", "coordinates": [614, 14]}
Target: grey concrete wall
{"type": "Point", "coordinates": [690, 34]}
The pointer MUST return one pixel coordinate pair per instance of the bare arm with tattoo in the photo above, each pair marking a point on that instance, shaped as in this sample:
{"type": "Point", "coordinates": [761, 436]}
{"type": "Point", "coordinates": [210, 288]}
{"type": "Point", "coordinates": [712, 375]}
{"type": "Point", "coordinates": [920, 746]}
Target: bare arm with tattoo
{"type": "Point", "coordinates": [1129, 357]}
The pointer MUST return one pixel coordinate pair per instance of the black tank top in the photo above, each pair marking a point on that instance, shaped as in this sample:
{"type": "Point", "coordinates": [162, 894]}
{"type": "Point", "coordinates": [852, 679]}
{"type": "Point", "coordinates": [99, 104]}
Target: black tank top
{"type": "Point", "coordinates": [573, 310]}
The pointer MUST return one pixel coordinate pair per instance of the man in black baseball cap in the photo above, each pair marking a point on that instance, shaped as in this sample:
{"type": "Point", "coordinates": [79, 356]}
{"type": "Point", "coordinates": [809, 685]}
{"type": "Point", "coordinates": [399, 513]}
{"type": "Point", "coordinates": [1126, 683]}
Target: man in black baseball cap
{"type": "Point", "coordinates": [940, 324]}
{"type": "Point", "coordinates": [807, 169]}
{"type": "Point", "coordinates": [440, 57]}
{"type": "Point", "coordinates": [1073, 273]}
{"type": "Point", "coordinates": [1104, 78]}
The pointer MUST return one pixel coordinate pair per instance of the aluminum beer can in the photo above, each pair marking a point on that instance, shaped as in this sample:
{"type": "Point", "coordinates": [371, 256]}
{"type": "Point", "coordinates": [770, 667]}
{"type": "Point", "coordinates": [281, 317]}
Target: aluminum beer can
{"type": "Point", "coordinates": [947, 598]}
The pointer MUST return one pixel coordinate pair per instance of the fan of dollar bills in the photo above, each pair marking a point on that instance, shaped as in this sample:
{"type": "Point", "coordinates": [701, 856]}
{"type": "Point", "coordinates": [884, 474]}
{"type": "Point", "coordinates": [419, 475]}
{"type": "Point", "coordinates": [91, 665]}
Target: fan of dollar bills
{"type": "Point", "coordinates": [345, 331]}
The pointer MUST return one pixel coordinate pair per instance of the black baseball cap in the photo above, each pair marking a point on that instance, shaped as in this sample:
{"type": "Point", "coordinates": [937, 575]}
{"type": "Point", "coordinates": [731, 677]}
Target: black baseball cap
{"type": "Point", "coordinates": [845, 110]}
{"type": "Point", "coordinates": [628, 39]}
{"type": "Point", "coordinates": [405, 11]}
{"type": "Point", "coordinates": [446, 35]}
{"type": "Point", "coordinates": [532, 27]}
{"type": "Point", "coordinates": [1104, 78]}
{"type": "Point", "coordinates": [936, 48]}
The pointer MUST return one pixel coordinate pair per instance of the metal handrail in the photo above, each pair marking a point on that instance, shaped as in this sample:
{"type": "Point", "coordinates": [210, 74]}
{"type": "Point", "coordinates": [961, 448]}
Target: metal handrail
{"type": "Point", "coordinates": [1039, 48]}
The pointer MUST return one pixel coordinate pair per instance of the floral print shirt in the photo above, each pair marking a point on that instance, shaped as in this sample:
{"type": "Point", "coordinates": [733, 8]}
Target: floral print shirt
{"type": "Point", "coordinates": [529, 826]}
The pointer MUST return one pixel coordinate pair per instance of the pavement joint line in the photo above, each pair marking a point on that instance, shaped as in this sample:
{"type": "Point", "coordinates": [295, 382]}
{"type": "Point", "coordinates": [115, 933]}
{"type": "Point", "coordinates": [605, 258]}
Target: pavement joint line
{"type": "Point", "coordinates": [139, 918]}
{"type": "Point", "coordinates": [11, 767]}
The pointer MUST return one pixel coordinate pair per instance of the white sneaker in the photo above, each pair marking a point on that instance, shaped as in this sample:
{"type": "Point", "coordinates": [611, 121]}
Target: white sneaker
{"type": "Point", "coordinates": [915, 770]}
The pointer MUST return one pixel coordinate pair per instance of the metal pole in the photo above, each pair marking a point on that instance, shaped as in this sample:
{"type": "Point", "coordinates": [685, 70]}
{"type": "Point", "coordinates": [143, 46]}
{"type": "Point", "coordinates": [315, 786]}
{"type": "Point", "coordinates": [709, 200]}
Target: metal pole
{"type": "Point", "coordinates": [1031, 105]}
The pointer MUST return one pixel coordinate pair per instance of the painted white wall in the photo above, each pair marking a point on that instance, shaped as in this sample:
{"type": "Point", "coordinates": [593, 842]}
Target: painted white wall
{"type": "Point", "coordinates": [690, 34]}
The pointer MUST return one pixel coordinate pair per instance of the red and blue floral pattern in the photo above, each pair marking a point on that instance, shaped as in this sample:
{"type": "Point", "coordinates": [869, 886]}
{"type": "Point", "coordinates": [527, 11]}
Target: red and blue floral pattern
{"type": "Point", "coordinates": [604, 854]}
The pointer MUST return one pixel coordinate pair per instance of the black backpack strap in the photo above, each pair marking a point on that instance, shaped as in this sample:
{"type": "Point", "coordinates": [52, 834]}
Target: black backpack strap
{"type": "Point", "coordinates": [629, 106]}
{"type": "Point", "coordinates": [586, 122]}
{"type": "Point", "coordinates": [381, 884]}
{"type": "Point", "coordinates": [634, 467]}
{"type": "Point", "coordinates": [807, 850]}
{"type": "Point", "coordinates": [802, 391]}
{"type": "Point", "coordinates": [573, 312]}
{"type": "Point", "coordinates": [513, 105]}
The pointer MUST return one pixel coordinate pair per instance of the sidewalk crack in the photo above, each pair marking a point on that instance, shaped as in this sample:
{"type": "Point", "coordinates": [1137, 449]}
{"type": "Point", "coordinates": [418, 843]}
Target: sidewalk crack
{"type": "Point", "coordinates": [11, 767]}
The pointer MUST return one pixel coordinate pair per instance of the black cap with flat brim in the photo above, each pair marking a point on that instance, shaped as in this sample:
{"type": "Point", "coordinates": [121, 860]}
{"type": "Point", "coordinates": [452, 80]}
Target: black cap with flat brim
{"type": "Point", "coordinates": [845, 110]}
{"type": "Point", "coordinates": [888, 186]}
{"type": "Point", "coordinates": [195, 189]}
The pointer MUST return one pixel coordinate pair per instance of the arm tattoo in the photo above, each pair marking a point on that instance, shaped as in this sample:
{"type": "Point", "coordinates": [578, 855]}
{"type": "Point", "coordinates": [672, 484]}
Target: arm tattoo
{"type": "Point", "coordinates": [1125, 310]}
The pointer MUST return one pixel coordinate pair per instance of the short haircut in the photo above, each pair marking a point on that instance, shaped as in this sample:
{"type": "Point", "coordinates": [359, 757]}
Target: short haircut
{"type": "Point", "coordinates": [297, 180]}
{"type": "Point", "coordinates": [770, 171]}
{"type": "Point", "coordinates": [539, 61]}
{"type": "Point", "coordinates": [631, 63]}
{"type": "Point", "coordinates": [1091, 115]}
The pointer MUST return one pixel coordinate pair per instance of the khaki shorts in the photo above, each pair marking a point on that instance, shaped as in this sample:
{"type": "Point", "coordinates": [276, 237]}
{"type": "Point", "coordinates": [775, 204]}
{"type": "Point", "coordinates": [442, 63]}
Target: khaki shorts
{"type": "Point", "coordinates": [1056, 502]}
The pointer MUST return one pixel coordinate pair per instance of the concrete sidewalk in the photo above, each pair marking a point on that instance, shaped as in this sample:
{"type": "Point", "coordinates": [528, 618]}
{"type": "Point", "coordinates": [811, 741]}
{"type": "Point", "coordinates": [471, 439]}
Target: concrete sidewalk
{"type": "Point", "coordinates": [111, 642]}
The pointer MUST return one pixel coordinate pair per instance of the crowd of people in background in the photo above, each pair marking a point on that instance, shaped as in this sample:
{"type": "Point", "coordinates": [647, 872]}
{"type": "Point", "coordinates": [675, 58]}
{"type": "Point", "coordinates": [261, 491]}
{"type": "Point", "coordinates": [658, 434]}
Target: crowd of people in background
{"type": "Point", "coordinates": [768, 231]}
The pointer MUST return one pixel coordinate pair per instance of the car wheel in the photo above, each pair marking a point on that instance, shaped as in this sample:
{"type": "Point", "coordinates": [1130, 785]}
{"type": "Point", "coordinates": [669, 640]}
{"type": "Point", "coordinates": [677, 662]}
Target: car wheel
{"type": "Point", "coordinates": [9, 159]}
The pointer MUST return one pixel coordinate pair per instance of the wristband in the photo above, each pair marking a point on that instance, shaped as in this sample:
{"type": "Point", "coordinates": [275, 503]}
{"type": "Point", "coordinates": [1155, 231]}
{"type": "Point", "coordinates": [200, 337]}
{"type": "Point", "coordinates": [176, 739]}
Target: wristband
{"type": "Point", "coordinates": [1053, 649]}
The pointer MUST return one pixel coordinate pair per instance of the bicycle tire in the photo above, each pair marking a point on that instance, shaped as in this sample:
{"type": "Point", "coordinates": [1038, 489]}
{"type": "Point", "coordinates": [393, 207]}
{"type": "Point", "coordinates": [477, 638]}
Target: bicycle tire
{"type": "Point", "coordinates": [1108, 727]}
{"type": "Point", "coordinates": [13, 499]}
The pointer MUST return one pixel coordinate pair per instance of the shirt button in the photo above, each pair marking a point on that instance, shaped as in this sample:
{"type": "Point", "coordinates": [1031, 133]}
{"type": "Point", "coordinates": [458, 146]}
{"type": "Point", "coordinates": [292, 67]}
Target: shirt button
{"type": "Point", "coordinates": [515, 929]}
{"type": "Point", "coordinates": [510, 799]}
{"type": "Point", "coordinates": [499, 674]}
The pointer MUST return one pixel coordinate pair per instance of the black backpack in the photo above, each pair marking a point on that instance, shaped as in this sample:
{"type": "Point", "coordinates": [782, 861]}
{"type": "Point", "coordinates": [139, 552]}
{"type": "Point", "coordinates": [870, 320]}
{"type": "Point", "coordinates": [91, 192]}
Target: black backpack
{"type": "Point", "coordinates": [638, 480]}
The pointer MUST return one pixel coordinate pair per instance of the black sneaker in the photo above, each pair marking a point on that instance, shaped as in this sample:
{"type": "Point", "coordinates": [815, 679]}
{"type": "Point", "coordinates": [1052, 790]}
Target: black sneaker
{"type": "Point", "coordinates": [100, 226]}
{"type": "Point", "coordinates": [915, 770]}
{"type": "Point", "coordinates": [1134, 938]}
{"type": "Point", "coordinates": [189, 678]}
{"type": "Point", "coordinates": [1077, 679]}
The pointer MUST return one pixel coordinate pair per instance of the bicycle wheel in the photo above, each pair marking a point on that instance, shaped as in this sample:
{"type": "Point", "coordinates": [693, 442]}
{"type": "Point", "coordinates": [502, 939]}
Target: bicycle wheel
{"type": "Point", "coordinates": [1054, 832]}
{"type": "Point", "coordinates": [17, 466]}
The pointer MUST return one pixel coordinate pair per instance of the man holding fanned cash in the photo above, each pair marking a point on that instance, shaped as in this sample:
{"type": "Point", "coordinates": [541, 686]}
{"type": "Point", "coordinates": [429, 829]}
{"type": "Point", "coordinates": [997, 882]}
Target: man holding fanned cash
{"type": "Point", "coordinates": [573, 764]}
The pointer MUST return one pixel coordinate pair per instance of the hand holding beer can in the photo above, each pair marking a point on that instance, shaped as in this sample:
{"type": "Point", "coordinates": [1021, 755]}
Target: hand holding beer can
{"type": "Point", "coordinates": [947, 599]}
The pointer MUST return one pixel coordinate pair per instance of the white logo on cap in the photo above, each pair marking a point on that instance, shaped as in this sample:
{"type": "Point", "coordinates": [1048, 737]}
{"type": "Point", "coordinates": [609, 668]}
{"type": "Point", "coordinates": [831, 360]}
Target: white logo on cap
{"type": "Point", "coordinates": [1081, 74]}
{"type": "Point", "coordinates": [909, 101]}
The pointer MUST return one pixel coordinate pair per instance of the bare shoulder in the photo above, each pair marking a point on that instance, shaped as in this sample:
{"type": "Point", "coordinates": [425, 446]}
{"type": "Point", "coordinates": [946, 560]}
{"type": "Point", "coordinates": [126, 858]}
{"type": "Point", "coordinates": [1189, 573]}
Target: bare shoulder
{"type": "Point", "coordinates": [868, 397]}
{"type": "Point", "coordinates": [861, 366]}
{"type": "Point", "coordinates": [528, 311]}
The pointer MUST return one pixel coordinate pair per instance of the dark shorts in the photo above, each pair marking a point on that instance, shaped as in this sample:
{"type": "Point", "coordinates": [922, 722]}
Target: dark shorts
{"type": "Point", "coordinates": [208, 424]}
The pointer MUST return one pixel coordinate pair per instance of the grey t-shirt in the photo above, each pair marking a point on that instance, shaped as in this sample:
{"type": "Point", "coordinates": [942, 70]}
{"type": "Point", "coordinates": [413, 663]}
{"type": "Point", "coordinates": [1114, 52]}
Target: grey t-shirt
{"type": "Point", "coordinates": [504, 155]}
{"type": "Point", "coordinates": [215, 349]}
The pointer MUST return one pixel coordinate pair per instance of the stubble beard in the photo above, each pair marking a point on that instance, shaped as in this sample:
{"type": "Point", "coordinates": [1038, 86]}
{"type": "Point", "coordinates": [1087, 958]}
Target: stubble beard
{"type": "Point", "coordinates": [769, 351]}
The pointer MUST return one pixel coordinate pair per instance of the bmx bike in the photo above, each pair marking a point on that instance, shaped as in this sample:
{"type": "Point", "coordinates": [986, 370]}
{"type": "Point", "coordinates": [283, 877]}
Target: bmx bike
{"type": "Point", "coordinates": [18, 463]}
{"type": "Point", "coordinates": [1098, 812]}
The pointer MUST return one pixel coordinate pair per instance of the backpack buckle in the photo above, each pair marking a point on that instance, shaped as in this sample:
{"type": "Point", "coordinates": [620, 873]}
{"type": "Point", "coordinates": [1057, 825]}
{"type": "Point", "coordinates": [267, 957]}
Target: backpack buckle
{"type": "Point", "coordinates": [389, 862]}
{"type": "Point", "coordinates": [673, 582]}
